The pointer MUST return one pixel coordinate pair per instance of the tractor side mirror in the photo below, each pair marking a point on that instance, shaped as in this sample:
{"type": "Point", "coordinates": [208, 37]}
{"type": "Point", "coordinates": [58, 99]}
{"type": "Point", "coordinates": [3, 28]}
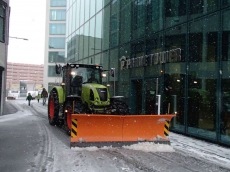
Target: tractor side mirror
{"type": "Point", "coordinates": [58, 69]}
{"type": "Point", "coordinates": [112, 72]}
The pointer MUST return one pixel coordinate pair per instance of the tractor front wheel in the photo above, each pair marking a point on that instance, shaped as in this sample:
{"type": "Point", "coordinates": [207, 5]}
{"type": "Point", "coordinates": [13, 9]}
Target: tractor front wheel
{"type": "Point", "coordinates": [68, 110]}
{"type": "Point", "coordinates": [67, 122]}
{"type": "Point", "coordinates": [53, 107]}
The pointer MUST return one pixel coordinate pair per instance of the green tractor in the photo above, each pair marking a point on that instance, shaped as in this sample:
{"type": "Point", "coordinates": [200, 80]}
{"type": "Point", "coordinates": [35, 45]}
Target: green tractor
{"type": "Point", "coordinates": [81, 92]}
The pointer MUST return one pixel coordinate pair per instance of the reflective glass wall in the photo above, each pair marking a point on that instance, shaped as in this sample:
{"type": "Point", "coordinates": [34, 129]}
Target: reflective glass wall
{"type": "Point", "coordinates": [172, 51]}
{"type": "Point", "coordinates": [55, 43]}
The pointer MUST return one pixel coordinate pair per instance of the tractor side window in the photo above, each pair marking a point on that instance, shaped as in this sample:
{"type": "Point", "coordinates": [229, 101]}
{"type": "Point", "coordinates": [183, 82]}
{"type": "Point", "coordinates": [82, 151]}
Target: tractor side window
{"type": "Point", "coordinates": [76, 85]}
{"type": "Point", "coordinates": [81, 72]}
{"type": "Point", "coordinates": [93, 76]}
{"type": "Point", "coordinates": [91, 95]}
{"type": "Point", "coordinates": [77, 81]}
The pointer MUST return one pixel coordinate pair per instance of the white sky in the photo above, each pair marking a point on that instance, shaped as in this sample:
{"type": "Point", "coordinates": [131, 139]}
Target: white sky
{"type": "Point", "coordinates": [27, 20]}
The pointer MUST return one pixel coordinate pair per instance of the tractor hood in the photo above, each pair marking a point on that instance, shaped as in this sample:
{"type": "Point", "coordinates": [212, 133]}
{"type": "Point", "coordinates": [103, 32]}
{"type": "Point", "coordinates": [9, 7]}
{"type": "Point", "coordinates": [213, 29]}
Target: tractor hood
{"type": "Point", "coordinates": [93, 85]}
{"type": "Point", "coordinates": [95, 95]}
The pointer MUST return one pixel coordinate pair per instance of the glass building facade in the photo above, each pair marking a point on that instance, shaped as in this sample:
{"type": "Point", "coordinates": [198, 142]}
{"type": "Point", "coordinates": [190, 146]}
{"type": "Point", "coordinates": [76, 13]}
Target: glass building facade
{"type": "Point", "coordinates": [55, 41]}
{"type": "Point", "coordinates": [174, 52]}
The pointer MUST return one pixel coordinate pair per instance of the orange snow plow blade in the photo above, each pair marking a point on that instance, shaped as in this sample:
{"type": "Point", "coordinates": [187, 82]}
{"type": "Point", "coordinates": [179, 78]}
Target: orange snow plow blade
{"type": "Point", "coordinates": [116, 130]}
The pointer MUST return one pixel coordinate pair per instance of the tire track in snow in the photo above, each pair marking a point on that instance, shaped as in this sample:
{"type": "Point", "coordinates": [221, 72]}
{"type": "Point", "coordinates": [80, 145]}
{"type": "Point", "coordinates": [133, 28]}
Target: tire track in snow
{"type": "Point", "coordinates": [44, 159]}
{"type": "Point", "coordinates": [129, 161]}
{"type": "Point", "coordinates": [160, 161]}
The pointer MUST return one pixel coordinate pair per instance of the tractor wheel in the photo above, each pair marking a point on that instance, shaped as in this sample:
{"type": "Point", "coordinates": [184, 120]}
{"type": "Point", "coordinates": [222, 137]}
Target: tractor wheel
{"type": "Point", "coordinates": [79, 109]}
{"type": "Point", "coordinates": [120, 107]}
{"type": "Point", "coordinates": [53, 108]}
{"type": "Point", "coordinates": [67, 122]}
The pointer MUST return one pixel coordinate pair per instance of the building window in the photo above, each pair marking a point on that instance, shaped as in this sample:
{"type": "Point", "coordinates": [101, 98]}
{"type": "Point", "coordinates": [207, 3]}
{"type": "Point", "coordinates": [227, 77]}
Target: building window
{"type": "Point", "coordinates": [57, 57]}
{"type": "Point", "coordinates": [139, 13]}
{"type": "Point", "coordinates": [175, 8]}
{"type": "Point", "coordinates": [2, 20]}
{"type": "Point", "coordinates": [196, 6]}
{"type": "Point", "coordinates": [138, 49]}
{"type": "Point", "coordinates": [57, 43]}
{"type": "Point", "coordinates": [225, 2]}
{"type": "Point", "coordinates": [52, 72]}
{"type": "Point", "coordinates": [57, 29]}
{"type": "Point", "coordinates": [57, 3]}
{"type": "Point", "coordinates": [114, 39]}
{"type": "Point", "coordinates": [58, 15]}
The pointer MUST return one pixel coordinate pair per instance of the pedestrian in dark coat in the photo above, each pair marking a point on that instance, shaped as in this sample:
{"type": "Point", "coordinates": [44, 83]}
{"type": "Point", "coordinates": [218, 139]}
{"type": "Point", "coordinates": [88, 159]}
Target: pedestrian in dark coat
{"type": "Point", "coordinates": [29, 98]}
{"type": "Point", "coordinates": [44, 95]}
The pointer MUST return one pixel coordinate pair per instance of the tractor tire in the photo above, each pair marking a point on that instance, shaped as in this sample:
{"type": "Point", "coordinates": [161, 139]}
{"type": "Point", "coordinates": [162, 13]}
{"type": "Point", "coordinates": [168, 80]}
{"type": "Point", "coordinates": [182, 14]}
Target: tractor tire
{"type": "Point", "coordinates": [79, 109]}
{"type": "Point", "coordinates": [120, 107]}
{"type": "Point", "coordinates": [67, 120]}
{"type": "Point", "coordinates": [53, 108]}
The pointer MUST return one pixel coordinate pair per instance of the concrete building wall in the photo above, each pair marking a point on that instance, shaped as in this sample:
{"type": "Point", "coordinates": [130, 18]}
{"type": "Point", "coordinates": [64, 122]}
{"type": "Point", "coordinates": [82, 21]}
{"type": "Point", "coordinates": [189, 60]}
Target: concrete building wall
{"type": "Point", "coordinates": [3, 51]}
{"type": "Point", "coordinates": [49, 77]}
{"type": "Point", "coordinates": [31, 74]}
{"type": "Point", "coordinates": [45, 81]}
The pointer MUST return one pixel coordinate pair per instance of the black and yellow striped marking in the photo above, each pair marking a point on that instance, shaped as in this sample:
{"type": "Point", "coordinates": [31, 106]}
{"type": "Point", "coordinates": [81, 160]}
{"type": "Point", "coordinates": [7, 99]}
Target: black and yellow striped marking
{"type": "Point", "coordinates": [166, 128]}
{"type": "Point", "coordinates": [74, 128]}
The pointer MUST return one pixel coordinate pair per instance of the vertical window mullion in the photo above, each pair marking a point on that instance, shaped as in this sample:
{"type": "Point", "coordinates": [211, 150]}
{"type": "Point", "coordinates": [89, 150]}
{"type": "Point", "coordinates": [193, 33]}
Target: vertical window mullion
{"type": "Point", "coordinates": [2, 21]}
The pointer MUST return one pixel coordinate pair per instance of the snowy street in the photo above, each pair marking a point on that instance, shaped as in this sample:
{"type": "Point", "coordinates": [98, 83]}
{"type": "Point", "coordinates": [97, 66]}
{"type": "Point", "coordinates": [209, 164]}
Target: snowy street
{"type": "Point", "coordinates": [29, 143]}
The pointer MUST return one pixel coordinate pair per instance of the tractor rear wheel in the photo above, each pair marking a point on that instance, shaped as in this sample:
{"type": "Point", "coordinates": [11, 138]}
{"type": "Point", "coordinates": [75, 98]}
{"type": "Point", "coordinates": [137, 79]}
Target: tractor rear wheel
{"type": "Point", "coordinates": [53, 107]}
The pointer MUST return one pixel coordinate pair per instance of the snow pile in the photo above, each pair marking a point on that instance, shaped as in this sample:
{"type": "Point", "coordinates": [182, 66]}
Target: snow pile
{"type": "Point", "coordinates": [201, 149]}
{"type": "Point", "coordinates": [91, 148]}
{"type": "Point", "coordinates": [144, 146]}
{"type": "Point", "coordinates": [17, 115]}
{"type": "Point", "coordinates": [150, 147]}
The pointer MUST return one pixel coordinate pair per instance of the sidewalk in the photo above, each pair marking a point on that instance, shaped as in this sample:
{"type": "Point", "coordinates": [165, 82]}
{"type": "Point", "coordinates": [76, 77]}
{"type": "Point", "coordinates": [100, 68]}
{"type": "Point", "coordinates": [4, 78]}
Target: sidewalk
{"type": "Point", "coordinates": [201, 149]}
{"type": "Point", "coordinates": [9, 107]}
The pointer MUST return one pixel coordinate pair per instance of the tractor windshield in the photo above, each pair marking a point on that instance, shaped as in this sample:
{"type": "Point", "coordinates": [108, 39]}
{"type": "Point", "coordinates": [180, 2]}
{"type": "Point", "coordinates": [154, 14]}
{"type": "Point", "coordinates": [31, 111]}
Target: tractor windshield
{"type": "Point", "coordinates": [88, 75]}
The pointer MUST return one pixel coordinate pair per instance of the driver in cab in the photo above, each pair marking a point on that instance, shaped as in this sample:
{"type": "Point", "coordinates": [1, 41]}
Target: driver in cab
{"type": "Point", "coordinates": [92, 78]}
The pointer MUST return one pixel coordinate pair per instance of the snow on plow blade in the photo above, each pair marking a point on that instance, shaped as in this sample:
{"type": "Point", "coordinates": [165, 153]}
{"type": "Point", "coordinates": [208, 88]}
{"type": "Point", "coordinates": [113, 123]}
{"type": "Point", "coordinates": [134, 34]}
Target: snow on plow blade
{"type": "Point", "coordinates": [116, 130]}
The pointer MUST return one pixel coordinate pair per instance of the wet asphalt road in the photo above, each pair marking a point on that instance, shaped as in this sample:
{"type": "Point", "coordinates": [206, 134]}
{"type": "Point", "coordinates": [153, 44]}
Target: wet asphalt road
{"type": "Point", "coordinates": [28, 143]}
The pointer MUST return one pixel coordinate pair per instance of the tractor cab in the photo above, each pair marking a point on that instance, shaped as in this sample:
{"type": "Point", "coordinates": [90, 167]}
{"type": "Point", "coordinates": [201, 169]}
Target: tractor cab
{"type": "Point", "coordinates": [74, 75]}
{"type": "Point", "coordinates": [87, 75]}
{"type": "Point", "coordinates": [81, 76]}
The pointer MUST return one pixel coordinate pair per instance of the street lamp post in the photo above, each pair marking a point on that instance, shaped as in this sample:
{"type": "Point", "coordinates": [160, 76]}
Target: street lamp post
{"type": "Point", "coordinates": [113, 74]}
{"type": "Point", "coordinates": [25, 39]}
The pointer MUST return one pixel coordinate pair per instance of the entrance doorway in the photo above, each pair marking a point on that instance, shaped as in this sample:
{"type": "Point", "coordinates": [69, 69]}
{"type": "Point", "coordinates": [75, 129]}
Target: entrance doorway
{"type": "Point", "coordinates": [136, 96]}
{"type": "Point", "coordinates": [153, 93]}
{"type": "Point", "coordinates": [0, 91]}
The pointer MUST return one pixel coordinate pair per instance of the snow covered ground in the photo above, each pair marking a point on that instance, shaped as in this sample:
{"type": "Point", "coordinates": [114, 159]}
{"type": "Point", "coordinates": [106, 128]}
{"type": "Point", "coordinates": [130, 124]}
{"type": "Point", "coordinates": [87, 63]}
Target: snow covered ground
{"type": "Point", "coordinates": [196, 148]}
{"type": "Point", "coordinates": [55, 154]}
{"type": "Point", "coordinates": [201, 149]}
